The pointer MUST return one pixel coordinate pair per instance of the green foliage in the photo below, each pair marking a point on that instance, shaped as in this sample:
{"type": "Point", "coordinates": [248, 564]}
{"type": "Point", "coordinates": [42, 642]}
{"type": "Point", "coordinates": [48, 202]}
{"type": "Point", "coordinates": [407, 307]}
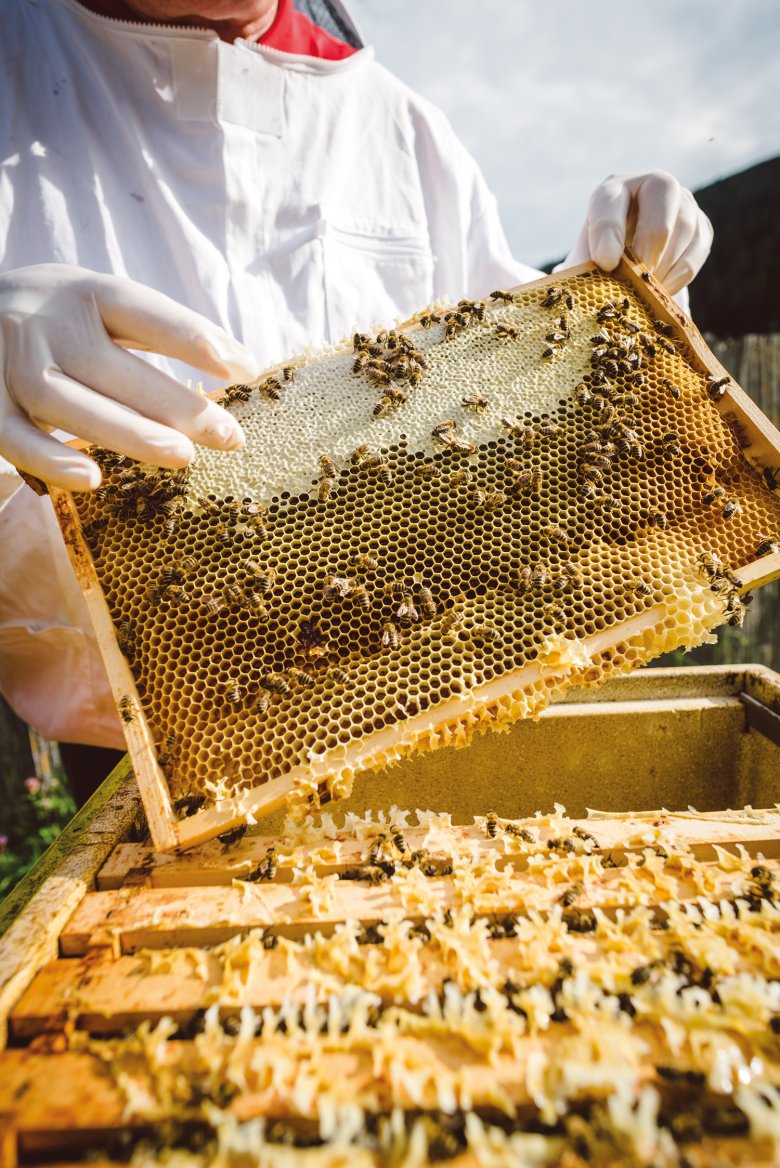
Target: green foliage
{"type": "Point", "coordinates": [39, 813]}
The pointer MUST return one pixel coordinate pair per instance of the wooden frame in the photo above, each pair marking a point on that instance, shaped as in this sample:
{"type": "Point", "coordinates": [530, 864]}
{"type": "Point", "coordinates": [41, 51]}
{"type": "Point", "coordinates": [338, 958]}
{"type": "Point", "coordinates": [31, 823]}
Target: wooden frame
{"type": "Point", "coordinates": [761, 448]}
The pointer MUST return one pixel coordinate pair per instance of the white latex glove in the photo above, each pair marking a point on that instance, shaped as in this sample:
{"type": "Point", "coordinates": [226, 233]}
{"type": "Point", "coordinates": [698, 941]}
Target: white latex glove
{"type": "Point", "coordinates": [62, 367]}
{"type": "Point", "coordinates": [671, 234]}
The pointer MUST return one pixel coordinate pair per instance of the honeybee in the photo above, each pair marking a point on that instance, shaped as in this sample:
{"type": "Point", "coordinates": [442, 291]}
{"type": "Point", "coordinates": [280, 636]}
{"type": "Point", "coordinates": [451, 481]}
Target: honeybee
{"type": "Point", "coordinates": [361, 597]}
{"type": "Point", "coordinates": [406, 609]}
{"type": "Point", "coordinates": [641, 588]}
{"type": "Point", "coordinates": [427, 603]}
{"type": "Point", "coordinates": [451, 620]}
{"type": "Point", "coordinates": [361, 358]}
{"type": "Point", "coordinates": [461, 478]}
{"type": "Point", "coordinates": [126, 639]}
{"type": "Point", "coordinates": [555, 613]}
{"type": "Point", "coordinates": [663, 328]}
{"type": "Point", "coordinates": [548, 353]}
{"type": "Point", "coordinates": [556, 338]}
{"type": "Point", "coordinates": [571, 894]}
{"type": "Point", "coordinates": [384, 474]}
{"type": "Point", "coordinates": [767, 546]}
{"type": "Point", "coordinates": [648, 344]}
{"type": "Point", "coordinates": [231, 691]}
{"type": "Point", "coordinates": [328, 467]}
{"type": "Point", "coordinates": [213, 605]}
{"type": "Point", "coordinates": [495, 500]}
{"type": "Point", "coordinates": [275, 683]}
{"type": "Point", "coordinates": [506, 332]}
{"type": "Point", "coordinates": [325, 490]}
{"type": "Point", "coordinates": [265, 870]}
{"type": "Point", "coordinates": [500, 294]}
{"type": "Point", "coordinates": [443, 431]}
{"type": "Point", "coordinates": [657, 519]}
{"type": "Point", "coordinates": [521, 579]}
{"type": "Point", "coordinates": [540, 578]}
{"type": "Point", "coordinates": [583, 394]}
{"type": "Point", "coordinates": [491, 824]}
{"type": "Point", "coordinates": [336, 587]}
{"type": "Point", "coordinates": [474, 401]}
{"type": "Point", "coordinates": [484, 633]}
{"type": "Point", "coordinates": [233, 593]}
{"type": "Point", "coordinates": [476, 497]}
{"type": "Point", "coordinates": [127, 708]}
{"type": "Point", "coordinates": [188, 805]}
{"type": "Point", "coordinates": [255, 603]}
{"type": "Point", "coordinates": [261, 704]}
{"type": "Point", "coordinates": [396, 395]}
{"type": "Point", "coordinates": [270, 388]}
{"type": "Point", "coordinates": [338, 675]}
{"type": "Point", "coordinates": [428, 319]}
{"type": "Point", "coordinates": [521, 833]}
{"type": "Point", "coordinates": [371, 461]}
{"type": "Point", "coordinates": [363, 562]}
{"type": "Point", "coordinates": [359, 453]}
{"type": "Point", "coordinates": [383, 407]}
{"type": "Point", "coordinates": [553, 297]}
{"type": "Point", "coordinates": [591, 474]}
{"type": "Point", "coordinates": [223, 535]}
{"type": "Point", "coordinates": [228, 838]}
{"type": "Point", "coordinates": [300, 675]}
{"type": "Point", "coordinates": [397, 836]}
{"type": "Point", "coordinates": [569, 579]}
{"type": "Point", "coordinates": [555, 534]}
{"type": "Point", "coordinates": [673, 390]}
{"type": "Point", "coordinates": [209, 504]}
{"type": "Point", "coordinates": [771, 477]}
{"type": "Point", "coordinates": [390, 636]}
{"type": "Point", "coordinates": [263, 578]}
{"type": "Point", "coordinates": [732, 508]}
{"type": "Point", "coordinates": [550, 429]}
{"type": "Point", "coordinates": [427, 470]}
{"type": "Point", "coordinates": [670, 445]}
{"type": "Point", "coordinates": [360, 341]}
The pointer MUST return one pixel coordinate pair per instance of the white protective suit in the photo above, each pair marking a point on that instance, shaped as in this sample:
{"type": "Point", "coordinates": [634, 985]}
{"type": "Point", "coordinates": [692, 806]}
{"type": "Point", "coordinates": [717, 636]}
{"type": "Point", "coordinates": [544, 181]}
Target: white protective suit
{"type": "Point", "coordinates": [287, 198]}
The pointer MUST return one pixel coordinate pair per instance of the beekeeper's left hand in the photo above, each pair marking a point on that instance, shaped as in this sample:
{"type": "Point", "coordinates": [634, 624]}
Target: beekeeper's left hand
{"type": "Point", "coordinates": [671, 234]}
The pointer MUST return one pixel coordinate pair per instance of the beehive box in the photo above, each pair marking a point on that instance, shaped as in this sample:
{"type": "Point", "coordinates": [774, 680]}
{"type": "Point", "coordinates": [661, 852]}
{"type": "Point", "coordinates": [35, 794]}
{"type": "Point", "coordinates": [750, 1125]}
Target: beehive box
{"type": "Point", "coordinates": [499, 990]}
{"type": "Point", "coordinates": [429, 533]}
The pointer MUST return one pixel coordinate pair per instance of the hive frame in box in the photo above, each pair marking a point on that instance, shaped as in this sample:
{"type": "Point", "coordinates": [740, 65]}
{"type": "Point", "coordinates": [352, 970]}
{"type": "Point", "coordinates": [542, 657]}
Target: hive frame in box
{"type": "Point", "coordinates": [761, 446]}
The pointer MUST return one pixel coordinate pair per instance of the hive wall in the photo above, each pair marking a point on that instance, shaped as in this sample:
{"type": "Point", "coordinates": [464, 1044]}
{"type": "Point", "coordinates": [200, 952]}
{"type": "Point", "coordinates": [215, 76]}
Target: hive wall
{"type": "Point", "coordinates": [592, 509]}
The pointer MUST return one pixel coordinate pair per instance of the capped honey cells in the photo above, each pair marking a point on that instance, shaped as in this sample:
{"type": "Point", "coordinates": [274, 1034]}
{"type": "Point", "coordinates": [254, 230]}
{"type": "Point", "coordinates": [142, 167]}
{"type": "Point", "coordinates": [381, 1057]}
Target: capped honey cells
{"type": "Point", "coordinates": [431, 530]}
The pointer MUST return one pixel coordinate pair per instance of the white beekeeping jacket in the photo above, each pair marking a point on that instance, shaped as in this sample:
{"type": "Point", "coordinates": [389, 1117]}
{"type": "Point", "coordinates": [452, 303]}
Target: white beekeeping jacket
{"type": "Point", "coordinates": [287, 198]}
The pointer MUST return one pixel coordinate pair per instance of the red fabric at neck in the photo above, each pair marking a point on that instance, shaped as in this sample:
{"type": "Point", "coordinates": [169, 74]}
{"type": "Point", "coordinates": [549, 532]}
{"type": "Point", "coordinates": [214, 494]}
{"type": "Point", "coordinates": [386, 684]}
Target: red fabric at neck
{"type": "Point", "coordinates": [291, 31]}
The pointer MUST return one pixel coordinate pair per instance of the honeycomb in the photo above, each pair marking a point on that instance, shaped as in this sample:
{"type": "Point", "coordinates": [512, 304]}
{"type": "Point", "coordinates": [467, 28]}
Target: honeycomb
{"type": "Point", "coordinates": [429, 532]}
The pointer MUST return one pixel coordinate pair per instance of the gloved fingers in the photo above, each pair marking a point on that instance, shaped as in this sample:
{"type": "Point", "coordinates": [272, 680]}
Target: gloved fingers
{"type": "Point", "coordinates": [658, 199]}
{"type": "Point", "coordinates": [607, 221]}
{"type": "Point", "coordinates": [685, 268]}
{"type": "Point", "coordinates": [692, 228]}
{"type": "Point", "coordinates": [130, 381]}
{"type": "Point", "coordinates": [65, 404]}
{"type": "Point", "coordinates": [142, 318]}
{"type": "Point", "coordinates": [32, 450]}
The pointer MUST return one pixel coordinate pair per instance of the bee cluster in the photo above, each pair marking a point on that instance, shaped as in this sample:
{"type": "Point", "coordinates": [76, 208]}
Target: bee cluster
{"type": "Point", "coordinates": [633, 1020]}
{"type": "Point", "coordinates": [500, 506]}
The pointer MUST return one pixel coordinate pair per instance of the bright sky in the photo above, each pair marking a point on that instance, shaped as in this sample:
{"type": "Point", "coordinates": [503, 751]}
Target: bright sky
{"type": "Point", "coordinates": [551, 98]}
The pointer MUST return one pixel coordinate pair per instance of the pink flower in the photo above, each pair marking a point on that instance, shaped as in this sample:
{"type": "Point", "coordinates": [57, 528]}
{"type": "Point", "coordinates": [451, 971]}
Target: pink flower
{"type": "Point", "coordinates": [33, 785]}
{"type": "Point", "coordinates": [3, 842]}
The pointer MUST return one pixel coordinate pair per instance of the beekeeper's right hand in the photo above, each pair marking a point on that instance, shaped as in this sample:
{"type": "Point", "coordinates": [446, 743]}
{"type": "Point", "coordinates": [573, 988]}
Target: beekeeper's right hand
{"type": "Point", "coordinates": [64, 332]}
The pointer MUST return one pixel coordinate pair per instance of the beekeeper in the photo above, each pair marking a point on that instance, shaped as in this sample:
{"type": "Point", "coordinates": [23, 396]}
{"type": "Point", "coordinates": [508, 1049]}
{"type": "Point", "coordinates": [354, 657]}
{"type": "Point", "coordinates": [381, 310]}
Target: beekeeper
{"type": "Point", "coordinates": [179, 173]}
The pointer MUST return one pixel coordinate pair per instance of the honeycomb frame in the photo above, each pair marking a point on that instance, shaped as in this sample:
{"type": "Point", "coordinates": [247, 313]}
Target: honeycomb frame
{"type": "Point", "coordinates": [656, 625]}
